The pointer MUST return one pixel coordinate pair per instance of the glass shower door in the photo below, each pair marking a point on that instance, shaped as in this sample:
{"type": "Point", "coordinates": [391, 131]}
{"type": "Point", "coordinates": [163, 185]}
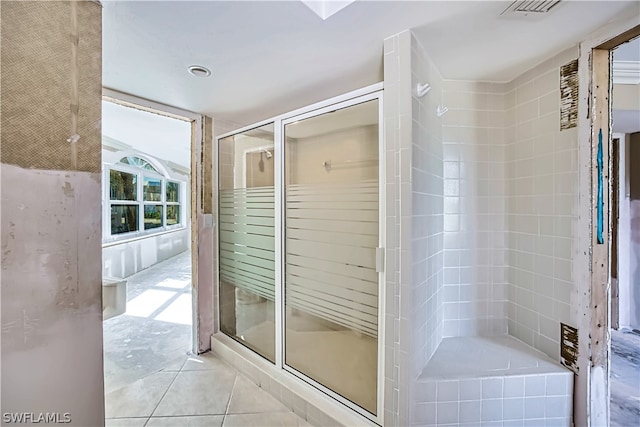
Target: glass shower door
{"type": "Point", "coordinates": [247, 238]}
{"type": "Point", "coordinates": [331, 208]}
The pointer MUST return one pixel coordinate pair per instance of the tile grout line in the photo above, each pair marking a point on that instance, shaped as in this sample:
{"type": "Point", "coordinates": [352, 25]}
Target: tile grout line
{"type": "Point", "coordinates": [163, 395]}
{"type": "Point", "coordinates": [233, 388]}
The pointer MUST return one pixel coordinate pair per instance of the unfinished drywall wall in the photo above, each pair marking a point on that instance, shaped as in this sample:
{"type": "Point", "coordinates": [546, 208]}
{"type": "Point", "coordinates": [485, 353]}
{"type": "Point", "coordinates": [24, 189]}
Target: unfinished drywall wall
{"type": "Point", "coordinates": [51, 211]}
{"type": "Point", "coordinates": [202, 234]}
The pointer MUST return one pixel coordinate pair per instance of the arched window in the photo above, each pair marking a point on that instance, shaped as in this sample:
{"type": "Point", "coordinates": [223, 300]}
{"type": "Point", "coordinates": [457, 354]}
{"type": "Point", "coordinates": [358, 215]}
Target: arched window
{"type": "Point", "coordinates": [142, 200]}
{"type": "Point", "coordinates": [138, 162]}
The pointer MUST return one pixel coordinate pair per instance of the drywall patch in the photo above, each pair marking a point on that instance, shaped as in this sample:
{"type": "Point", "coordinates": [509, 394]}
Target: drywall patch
{"type": "Point", "coordinates": [569, 95]}
{"type": "Point", "coordinates": [51, 308]}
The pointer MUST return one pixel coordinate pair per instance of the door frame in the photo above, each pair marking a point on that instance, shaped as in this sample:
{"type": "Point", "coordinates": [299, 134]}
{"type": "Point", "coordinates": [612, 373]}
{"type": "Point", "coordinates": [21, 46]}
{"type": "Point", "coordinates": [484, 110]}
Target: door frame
{"type": "Point", "coordinates": [280, 259]}
{"type": "Point", "coordinates": [591, 269]}
{"type": "Point", "coordinates": [617, 154]}
{"type": "Point", "coordinates": [195, 177]}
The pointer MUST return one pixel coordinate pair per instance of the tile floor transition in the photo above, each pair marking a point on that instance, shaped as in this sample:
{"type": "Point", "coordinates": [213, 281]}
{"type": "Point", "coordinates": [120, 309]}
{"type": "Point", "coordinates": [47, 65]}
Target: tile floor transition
{"type": "Point", "coordinates": [625, 378]}
{"type": "Point", "coordinates": [151, 379]}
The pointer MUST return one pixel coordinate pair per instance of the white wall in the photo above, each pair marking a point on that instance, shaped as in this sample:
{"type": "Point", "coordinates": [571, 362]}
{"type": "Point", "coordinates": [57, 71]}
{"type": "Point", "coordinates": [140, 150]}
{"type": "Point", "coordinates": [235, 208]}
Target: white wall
{"type": "Point", "coordinates": [121, 260]}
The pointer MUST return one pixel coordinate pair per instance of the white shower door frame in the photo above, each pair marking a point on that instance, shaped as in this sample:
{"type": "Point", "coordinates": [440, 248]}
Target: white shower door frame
{"type": "Point", "coordinates": [343, 101]}
{"type": "Point", "coordinates": [312, 111]}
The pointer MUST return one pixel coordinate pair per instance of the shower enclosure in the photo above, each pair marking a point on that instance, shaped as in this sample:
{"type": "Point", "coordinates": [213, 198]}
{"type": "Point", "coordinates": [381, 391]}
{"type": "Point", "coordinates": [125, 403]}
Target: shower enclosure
{"type": "Point", "coordinates": [300, 245]}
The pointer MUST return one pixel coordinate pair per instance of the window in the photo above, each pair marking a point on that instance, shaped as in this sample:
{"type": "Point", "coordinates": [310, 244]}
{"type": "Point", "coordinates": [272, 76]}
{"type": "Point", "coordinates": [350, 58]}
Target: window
{"type": "Point", "coordinates": [141, 200]}
{"type": "Point", "coordinates": [173, 203]}
{"type": "Point", "coordinates": [123, 195]}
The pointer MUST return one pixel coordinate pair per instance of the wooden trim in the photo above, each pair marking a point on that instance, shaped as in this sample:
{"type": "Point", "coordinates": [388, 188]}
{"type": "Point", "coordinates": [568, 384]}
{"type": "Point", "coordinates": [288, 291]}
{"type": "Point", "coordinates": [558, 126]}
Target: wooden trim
{"type": "Point", "coordinates": [621, 38]}
{"type": "Point", "coordinates": [600, 263]}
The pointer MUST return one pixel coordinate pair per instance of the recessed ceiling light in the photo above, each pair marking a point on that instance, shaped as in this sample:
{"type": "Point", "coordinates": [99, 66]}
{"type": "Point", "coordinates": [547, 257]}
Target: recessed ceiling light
{"type": "Point", "coordinates": [199, 71]}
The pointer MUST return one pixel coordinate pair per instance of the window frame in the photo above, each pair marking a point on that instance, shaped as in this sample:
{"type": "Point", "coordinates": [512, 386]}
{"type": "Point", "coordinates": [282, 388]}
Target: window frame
{"type": "Point", "coordinates": [140, 174]}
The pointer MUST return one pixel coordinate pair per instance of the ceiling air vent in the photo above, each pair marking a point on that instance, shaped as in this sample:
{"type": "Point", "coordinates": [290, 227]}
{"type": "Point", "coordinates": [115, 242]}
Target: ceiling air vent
{"type": "Point", "coordinates": [525, 7]}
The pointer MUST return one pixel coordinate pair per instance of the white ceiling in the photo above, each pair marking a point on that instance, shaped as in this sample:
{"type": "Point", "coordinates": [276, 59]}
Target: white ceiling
{"type": "Point", "coordinates": [270, 57]}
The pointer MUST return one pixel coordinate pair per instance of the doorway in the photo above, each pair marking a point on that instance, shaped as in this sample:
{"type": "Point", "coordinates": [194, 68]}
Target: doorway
{"type": "Point", "coordinates": [615, 348]}
{"type": "Point", "coordinates": [147, 263]}
{"type": "Point", "coordinates": [300, 231]}
{"type": "Point", "coordinates": [625, 239]}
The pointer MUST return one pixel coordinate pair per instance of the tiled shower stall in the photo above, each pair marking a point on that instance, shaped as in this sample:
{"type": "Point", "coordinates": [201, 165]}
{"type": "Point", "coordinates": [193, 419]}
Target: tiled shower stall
{"type": "Point", "coordinates": [485, 218]}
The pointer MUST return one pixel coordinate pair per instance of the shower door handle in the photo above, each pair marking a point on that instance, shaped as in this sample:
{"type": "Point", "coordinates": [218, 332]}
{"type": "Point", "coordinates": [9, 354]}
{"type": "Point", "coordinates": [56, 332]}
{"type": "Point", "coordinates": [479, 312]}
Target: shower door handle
{"type": "Point", "coordinates": [379, 260]}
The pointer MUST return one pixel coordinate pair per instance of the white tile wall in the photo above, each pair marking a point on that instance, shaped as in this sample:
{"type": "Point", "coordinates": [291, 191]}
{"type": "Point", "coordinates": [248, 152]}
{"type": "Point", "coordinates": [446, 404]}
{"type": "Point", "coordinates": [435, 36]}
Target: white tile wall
{"type": "Point", "coordinates": [542, 199]}
{"type": "Point", "coordinates": [398, 243]}
{"type": "Point", "coordinates": [475, 299]}
{"type": "Point", "coordinates": [500, 400]}
{"type": "Point", "coordinates": [484, 243]}
{"type": "Point", "coordinates": [427, 172]}
{"type": "Point", "coordinates": [427, 236]}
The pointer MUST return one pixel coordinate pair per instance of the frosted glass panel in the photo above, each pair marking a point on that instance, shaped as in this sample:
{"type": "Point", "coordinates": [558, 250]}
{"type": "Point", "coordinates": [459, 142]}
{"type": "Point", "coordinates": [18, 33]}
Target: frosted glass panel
{"type": "Point", "coordinates": [247, 245]}
{"type": "Point", "coordinates": [331, 235]}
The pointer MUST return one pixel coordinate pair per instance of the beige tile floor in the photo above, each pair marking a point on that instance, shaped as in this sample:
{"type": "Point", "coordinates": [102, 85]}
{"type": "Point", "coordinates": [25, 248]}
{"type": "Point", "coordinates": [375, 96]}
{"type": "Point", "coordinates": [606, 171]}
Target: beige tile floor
{"type": "Point", "coordinates": [203, 391]}
{"type": "Point", "coordinates": [152, 380]}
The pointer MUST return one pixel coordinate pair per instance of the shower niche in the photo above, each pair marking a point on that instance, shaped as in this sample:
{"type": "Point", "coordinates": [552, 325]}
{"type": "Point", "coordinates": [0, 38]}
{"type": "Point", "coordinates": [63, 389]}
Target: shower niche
{"type": "Point", "coordinates": [300, 242]}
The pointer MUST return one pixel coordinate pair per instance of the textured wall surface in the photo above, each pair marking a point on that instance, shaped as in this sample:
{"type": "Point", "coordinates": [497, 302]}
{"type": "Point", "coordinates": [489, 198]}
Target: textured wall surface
{"type": "Point", "coordinates": [51, 211]}
{"type": "Point", "coordinates": [51, 84]}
